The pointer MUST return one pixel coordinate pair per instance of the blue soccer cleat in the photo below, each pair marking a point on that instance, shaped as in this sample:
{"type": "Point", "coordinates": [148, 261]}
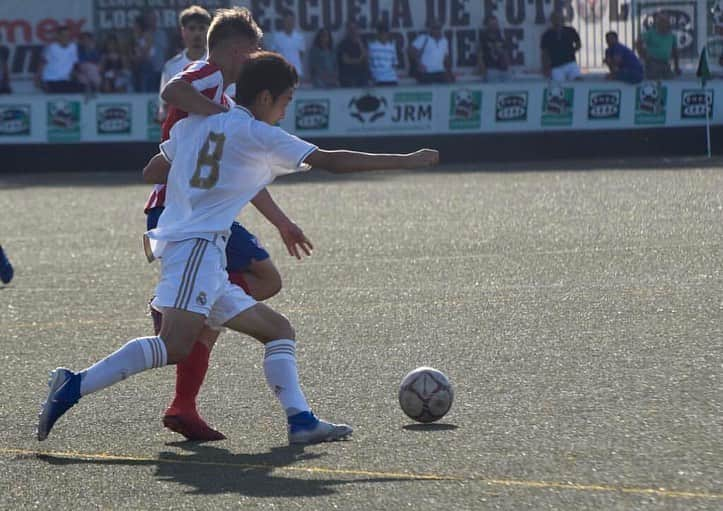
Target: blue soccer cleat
{"type": "Point", "coordinates": [63, 393]}
{"type": "Point", "coordinates": [305, 428]}
{"type": "Point", "coordinates": [6, 269]}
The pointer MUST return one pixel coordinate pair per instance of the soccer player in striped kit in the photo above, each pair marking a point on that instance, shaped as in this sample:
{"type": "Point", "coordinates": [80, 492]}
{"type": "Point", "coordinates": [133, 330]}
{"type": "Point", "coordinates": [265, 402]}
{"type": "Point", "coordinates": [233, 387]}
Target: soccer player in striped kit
{"type": "Point", "coordinates": [199, 90]}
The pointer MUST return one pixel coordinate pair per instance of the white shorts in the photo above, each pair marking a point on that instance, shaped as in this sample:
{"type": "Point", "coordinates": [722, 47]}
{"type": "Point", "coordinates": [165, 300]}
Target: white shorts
{"type": "Point", "coordinates": [194, 278]}
{"type": "Point", "coordinates": [566, 72]}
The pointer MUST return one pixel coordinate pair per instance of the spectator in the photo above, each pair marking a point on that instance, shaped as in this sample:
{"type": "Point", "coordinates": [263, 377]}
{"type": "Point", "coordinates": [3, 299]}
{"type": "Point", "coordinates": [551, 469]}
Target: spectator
{"type": "Point", "coordinates": [88, 62]}
{"type": "Point", "coordinates": [322, 62]}
{"type": "Point", "coordinates": [623, 64]}
{"type": "Point", "coordinates": [4, 74]}
{"type": "Point", "coordinates": [657, 46]}
{"type": "Point", "coordinates": [493, 56]}
{"type": "Point", "coordinates": [383, 57]}
{"type": "Point", "coordinates": [353, 61]}
{"type": "Point", "coordinates": [56, 72]}
{"type": "Point", "coordinates": [159, 47]}
{"type": "Point", "coordinates": [114, 67]}
{"type": "Point", "coordinates": [290, 43]}
{"type": "Point", "coordinates": [143, 76]}
{"type": "Point", "coordinates": [559, 45]}
{"type": "Point", "coordinates": [429, 56]}
{"type": "Point", "coordinates": [194, 22]}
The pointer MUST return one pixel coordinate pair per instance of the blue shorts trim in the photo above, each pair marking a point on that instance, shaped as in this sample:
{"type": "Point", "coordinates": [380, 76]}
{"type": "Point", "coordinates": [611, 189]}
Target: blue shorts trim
{"type": "Point", "coordinates": [242, 247]}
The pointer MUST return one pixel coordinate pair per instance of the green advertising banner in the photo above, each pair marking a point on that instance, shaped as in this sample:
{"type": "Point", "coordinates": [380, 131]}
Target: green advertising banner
{"type": "Point", "coordinates": [113, 118]}
{"type": "Point", "coordinates": [650, 103]}
{"type": "Point", "coordinates": [603, 105]}
{"type": "Point", "coordinates": [153, 127]}
{"type": "Point", "coordinates": [465, 109]}
{"type": "Point", "coordinates": [312, 114]}
{"type": "Point", "coordinates": [14, 120]}
{"type": "Point", "coordinates": [63, 121]}
{"type": "Point", "coordinates": [511, 106]}
{"type": "Point", "coordinates": [557, 103]}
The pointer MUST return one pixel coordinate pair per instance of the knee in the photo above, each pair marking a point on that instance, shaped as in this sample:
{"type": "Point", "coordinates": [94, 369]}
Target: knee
{"type": "Point", "coordinates": [282, 329]}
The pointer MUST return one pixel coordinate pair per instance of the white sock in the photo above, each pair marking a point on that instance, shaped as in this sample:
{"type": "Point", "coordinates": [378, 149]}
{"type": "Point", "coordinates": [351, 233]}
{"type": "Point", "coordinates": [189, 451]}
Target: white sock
{"type": "Point", "coordinates": [133, 357]}
{"type": "Point", "coordinates": [282, 377]}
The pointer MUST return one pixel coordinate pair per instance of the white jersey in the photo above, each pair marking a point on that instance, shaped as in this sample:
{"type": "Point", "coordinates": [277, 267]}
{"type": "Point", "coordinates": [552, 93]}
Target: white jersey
{"type": "Point", "coordinates": [218, 164]}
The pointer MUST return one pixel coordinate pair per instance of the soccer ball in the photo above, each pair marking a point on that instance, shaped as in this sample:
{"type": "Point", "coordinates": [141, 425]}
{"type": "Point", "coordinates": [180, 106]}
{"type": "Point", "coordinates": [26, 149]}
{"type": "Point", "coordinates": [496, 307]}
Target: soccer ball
{"type": "Point", "coordinates": [425, 394]}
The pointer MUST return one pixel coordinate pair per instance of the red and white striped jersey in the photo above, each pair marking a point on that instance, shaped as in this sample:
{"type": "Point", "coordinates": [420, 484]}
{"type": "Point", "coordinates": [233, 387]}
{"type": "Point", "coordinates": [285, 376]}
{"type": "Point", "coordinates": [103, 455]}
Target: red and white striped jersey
{"type": "Point", "coordinates": [207, 78]}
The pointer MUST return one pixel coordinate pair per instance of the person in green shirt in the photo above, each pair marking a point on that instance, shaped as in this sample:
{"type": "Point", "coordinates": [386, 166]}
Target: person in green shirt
{"type": "Point", "coordinates": [657, 46]}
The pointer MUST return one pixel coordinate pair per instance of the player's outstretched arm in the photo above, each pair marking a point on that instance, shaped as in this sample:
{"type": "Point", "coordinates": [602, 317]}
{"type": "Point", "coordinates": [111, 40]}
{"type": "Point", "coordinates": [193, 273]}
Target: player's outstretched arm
{"type": "Point", "coordinates": [353, 161]}
{"type": "Point", "coordinates": [156, 170]}
{"type": "Point", "coordinates": [186, 97]}
{"type": "Point", "coordinates": [292, 236]}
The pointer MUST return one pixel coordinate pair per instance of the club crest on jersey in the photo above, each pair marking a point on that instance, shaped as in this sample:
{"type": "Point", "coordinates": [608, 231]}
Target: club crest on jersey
{"type": "Point", "coordinates": [201, 298]}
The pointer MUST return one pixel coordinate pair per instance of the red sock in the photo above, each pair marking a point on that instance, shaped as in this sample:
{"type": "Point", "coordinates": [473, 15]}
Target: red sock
{"type": "Point", "coordinates": [238, 279]}
{"type": "Point", "coordinates": [189, 377]}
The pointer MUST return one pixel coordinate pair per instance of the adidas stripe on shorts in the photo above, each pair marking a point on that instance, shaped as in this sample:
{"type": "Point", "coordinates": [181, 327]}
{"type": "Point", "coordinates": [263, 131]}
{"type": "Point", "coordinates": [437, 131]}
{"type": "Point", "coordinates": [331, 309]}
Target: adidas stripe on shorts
{"type": "Point", "coordinates": [194, 278]}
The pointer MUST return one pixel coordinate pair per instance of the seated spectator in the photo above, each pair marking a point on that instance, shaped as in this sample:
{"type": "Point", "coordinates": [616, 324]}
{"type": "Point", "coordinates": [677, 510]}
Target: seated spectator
{"type": "Point", "coordinates": [383, 58]}
{"type": "Point", "coordinates": [322, 62]}
{"type": "Point", "coordinates": [657, 46]}
{"type": "Point", "coordinates": [114, 67]}
{"type": "Point", "coordinates": [429, 56]}
{"type": "Point", "coordinates": [290, 43]}
{"type": "Point", "coordinates": [56, 72]}
{"type": "Point", "coordinates": [88, 62]}
{"type": "Point", "coordinates": [353, 65]}
{"type": "Point", "coordinates": [493, 56]}
{"type": "Point", "coordinates": [4, 74]}
{"type": "Point", "coordinates": [623, 64]}
{"type": "Point", "coordinates": [144, 78]}
{"type": "Point", "coordinates": [559, 45]}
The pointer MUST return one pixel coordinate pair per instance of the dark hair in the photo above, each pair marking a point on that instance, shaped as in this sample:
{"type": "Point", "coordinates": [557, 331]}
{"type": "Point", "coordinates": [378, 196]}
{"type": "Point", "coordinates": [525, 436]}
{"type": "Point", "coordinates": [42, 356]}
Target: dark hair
{"type": "Point", "coordinates": [194, 13]}
{"type": "Point", "coordinates": [317, 38]}
{"type": "Point", "coordinates": [611, 33]}
{"type": "Point", "coordinates": [230, 23]}
{"type": "Point", "coordinates": [264, 70]}
{"type": "Point", "coordinates": [382, 26]}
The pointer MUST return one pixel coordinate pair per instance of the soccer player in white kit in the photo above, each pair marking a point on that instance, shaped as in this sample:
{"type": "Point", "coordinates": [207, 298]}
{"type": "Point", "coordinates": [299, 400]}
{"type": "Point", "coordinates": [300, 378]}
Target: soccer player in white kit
{"type": "Point", "coordinates": [194, 22]}
{"type": "Point", "coordinates": [217, 165]}
{"type": "Point", "coordinates": [200, 90]}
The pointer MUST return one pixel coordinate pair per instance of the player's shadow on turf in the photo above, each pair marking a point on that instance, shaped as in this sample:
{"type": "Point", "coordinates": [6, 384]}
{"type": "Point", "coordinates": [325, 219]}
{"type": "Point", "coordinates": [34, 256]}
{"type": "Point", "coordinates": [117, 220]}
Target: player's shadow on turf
{"type": "Point", "coordinates": [430, 427]}
{"type": "Point", "coordinates": [211, 470]}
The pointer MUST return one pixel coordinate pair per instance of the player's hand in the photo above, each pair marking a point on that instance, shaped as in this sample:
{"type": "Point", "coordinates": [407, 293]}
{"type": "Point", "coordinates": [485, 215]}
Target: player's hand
{"type": "Point", "coordinates": [295, 240]}
{"type": "Point", "coordinates": [423, 158]}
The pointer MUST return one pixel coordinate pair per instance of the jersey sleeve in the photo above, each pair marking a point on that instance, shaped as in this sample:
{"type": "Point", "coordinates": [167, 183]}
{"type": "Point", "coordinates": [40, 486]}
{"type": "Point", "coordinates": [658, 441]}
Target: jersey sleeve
{"type": "Point", "coordinates": [202, 77]}
{"type": "Point", "coordinates": [168, 148]}
{"type": "Point", "coordinates": [285, 152]}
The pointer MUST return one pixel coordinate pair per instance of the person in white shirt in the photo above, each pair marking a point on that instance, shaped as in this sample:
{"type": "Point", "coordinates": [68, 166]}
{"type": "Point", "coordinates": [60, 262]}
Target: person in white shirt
{"type": "Point", "coordinates": [194, 22]}
{"type": "Point", "coordinates": [383, 57]}
{"type": "Point", "coordinates": [56, 72]}
{"type": "Point", "coordinates": [217, 164]}
{"type": "Point", "coordinates": [290, 44]}
{"type": "Point", "coordinates": [429, 57]}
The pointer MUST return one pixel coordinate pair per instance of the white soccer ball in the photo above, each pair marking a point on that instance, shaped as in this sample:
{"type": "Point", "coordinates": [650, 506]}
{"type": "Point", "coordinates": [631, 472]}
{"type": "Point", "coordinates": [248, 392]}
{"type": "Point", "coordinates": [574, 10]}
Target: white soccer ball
{"type": "Point", "coordinates": [425, 394]}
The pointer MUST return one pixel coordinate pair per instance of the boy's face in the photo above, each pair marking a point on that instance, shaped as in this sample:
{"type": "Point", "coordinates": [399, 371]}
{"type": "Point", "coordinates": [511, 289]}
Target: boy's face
{"type": "Point", "coordinates": [194, 35]}
{"type": "Point", "coordinates": [272, 111]}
